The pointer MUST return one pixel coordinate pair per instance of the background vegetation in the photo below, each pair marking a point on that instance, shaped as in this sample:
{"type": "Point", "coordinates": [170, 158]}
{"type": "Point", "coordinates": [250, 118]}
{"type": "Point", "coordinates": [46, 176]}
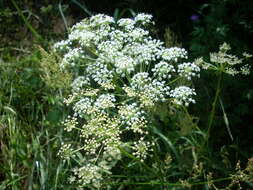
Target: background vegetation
{"type": "Point", "coordinates": [31, 107]}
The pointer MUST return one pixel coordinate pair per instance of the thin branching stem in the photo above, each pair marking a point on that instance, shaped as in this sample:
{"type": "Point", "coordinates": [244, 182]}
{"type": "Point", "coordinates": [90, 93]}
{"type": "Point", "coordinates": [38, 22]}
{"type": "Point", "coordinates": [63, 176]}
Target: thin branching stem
{"type": "Point", "coordinates": [214, 104]}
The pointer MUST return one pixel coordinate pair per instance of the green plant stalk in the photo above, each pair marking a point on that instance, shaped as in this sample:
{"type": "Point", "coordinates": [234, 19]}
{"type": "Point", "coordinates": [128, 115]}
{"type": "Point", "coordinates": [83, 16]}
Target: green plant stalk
{"type": "Point", "coordinates": [82, 7]}
{"type": "Point", "coordinates": [211, 118]}
{"type": "Point", "coordinates": [29, 26]}
{"type": "Point", "coordinates": [63, 17]}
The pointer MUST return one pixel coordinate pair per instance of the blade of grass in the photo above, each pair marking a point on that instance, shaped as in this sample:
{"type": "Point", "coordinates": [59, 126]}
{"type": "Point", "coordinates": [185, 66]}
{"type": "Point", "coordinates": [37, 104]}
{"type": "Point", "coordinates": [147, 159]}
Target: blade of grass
{"type": "Point", "coordinates": [168, 142]}
{"type": "Point", "coordinates": [226, 120]}
{"type": "Point", "coordinates": [82, 7]}
{"type": "Point", "coordinates": [116, 14]}
{"type": "Point", "coordinates": [63, 17]}
{"type": "Point", "coordinates": [131, 11]}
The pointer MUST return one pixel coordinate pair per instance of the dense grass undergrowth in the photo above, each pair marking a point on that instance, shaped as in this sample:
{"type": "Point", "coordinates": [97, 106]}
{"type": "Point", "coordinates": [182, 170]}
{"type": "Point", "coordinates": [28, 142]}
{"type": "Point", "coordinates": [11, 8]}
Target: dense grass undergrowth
{"type": "Point", "coordinates": [49, 111]}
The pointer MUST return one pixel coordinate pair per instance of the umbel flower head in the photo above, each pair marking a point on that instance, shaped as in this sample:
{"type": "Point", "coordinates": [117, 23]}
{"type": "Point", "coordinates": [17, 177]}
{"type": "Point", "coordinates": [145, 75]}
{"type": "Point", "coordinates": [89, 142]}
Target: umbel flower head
{"type": "Point", "coordinates": [122, 73]}
{"type": "Point", "coordinates": [225, 62]}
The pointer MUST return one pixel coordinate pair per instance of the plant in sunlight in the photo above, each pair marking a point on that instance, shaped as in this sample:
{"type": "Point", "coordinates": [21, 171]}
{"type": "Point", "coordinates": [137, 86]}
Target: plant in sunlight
{"type": "Point", "coordinates": [121, 74]}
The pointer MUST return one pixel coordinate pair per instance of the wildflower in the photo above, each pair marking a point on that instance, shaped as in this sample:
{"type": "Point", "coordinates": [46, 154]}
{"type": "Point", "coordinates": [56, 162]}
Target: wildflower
{"type": "Point", "coordinates": [228, 63]}
{"type": "Point", "coordinates": [188, 70]}
{"type": "Point", "coordinates": [121, 73]}
{"type": "Point", "coordinates": [163, 70]}
{"type": "Point", "coordinates": [247, 55]}
{"type": "Point", "coordinates": [142, 148]}
{"type": "Point", "coordinates": [174, 54]}
{"type": "Point", "coordinates": [65, 152]}
{"type": "Point", "coordinates": [143, 18]}
{"type": "Point", "coordinates": [79, 83]}
{"type": "Point", "coordinates": [183, 95]}
{"type": "Point", "coordinates": [105, 101]}
{"type": "Point", "coordinates": [194, 17]}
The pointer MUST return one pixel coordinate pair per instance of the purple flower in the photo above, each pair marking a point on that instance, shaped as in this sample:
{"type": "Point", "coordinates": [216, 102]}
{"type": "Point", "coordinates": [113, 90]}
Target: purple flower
{"type": "Point", "coordinates": [194, 17]}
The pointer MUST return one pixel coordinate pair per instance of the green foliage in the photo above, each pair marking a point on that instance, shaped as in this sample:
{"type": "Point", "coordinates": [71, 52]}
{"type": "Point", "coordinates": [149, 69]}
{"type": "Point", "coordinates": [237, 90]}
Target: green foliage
{"type": "Point", "coordinates": [30, 112]}
{"type": "Point", "coordinates": [52, 75]}
{"type": "Point", "coordinates": [214, 26]}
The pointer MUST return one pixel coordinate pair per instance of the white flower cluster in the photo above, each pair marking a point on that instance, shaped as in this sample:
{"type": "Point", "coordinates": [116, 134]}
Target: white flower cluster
{"type": "Point", "coordinates": [73, 57]}
{"type": "Point", "coordinates": [65, 152]}
{"type": "Point", "coordinates": [79, 83]}
{"type": "Point", "coordinates": [143, 18]}
{"type": "Point", "coordinates": [105, 101]}
{"type": "Point", "coordinates": [183, 95]}
{"type": "Point", "coordinates": [141, 148]}
{"type": "Point", "coordinates": [99, 73]}
{"type": "Point", "coordinates": [188, 70]}
{"type": "Point", "coordinates": [133, 117]}
{"type": "Point", "coordinates": [163, 70]}
{"type": "Point", "coordinates": [149, 91]}
{"type": "Point", "coordinates": [225, 62]}
{"type": "Point", "coordinates": [173, 54]}
{"type": "Point", "coordinates": [83, 106]}
{"type": "Point", "coordinates": [70, 123]}
{"type": "Point", "coordinates": [101, 132]}
{"type": "Point", "coordinates": [63, 45]}
{"type": "Point", "coordinates": [121, 73]}
{"type": "Point", "coordinates": [89, 173]}
{"type": "Point", "coordinates": [124, 65]}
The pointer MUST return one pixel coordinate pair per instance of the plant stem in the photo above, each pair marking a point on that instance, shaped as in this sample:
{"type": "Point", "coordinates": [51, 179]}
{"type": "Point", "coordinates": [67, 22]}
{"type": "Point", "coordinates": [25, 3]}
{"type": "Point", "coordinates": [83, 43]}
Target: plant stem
{"type": "Point", "coordinates": [211, 117]}
{"type": "Point", "coordinates": [29, 26]}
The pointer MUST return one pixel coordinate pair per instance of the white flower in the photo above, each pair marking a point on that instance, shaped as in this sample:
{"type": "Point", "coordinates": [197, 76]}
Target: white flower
{"type": "Point", "coordinates": [124, 65]}
{"type": "Point", "coordinates": [143, 18]}
{"type": "Point", "coordinates": [228, 63]}
{"type": "Point", "coordinates": [127, 23]}
{"type": "Point", "coordinates": [105, 101]}
{"type": "Point", "coordinates": [84, 37]}
{"type": "Point", "coordinates": [88, 174]}
{"type": "Point", "coordinates": [99, 72]}
{"type": "Point", "coordinates": [121, 73]}
{"type": "Point", "coordinates": [137, 34]}
{"type": "Point", "coordinates": [142, 148]}
{"type": "Point", "coordinates": [163, 70]}
{"type": "Point", "coordinates": [183, 95]}
{"type": "Point", "coordinates": [70, 123]}
{"type": "Point", "coordinates": [149, 90]}
{"type": "Point", "coordinates": [223, 58]}
{"type": "Point", "coordinates": [157, 90]}
{"type": "Point", "coordinates": [188, 70]}
{"type": "Point", "coordinates": [245, 70]}
{"type": "Point", "coordinates": [247, 55]}
{"type": "Point", "coordinates": [174, 54]}
{"type": "Point", "coordinates": [63, 45]}
{"type": "Point", "coordinates": [131, 113]}
{"type": "Point", "coordinates": [109, 49]}
{"type": "Point", "coordinates": [100, 19]}
{"type": "Point", "coordinates": [83, 106]}
{"type": "Point", "coordinates": [65, 151]}
{"type": "Point", "coordinates": [79, 83]}
{"type": "Point", "coordinates": [225, 47]}
{"type": "Point", "coordinates": [72, 58]}
{"type": "Point", "coordinates": [140, 80]}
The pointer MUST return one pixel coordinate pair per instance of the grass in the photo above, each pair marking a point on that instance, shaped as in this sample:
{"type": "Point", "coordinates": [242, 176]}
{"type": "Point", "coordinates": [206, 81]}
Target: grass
{"type": "Point", "coordinates": [29, 136]}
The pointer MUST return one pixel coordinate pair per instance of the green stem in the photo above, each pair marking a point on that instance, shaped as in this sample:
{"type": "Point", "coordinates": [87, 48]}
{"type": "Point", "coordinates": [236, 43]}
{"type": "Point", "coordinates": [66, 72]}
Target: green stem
{"type": "Point", "coordinates": [211, 118]}
{"type": "Point", "coordinates": [29, 26]}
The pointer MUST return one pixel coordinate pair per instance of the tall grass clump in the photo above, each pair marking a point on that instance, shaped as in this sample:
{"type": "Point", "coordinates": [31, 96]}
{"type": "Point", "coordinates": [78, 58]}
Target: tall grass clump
{"type": "Point", "coordinates": [30, 110]}
{"type": "Point", "coordinates": [129, 126]}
